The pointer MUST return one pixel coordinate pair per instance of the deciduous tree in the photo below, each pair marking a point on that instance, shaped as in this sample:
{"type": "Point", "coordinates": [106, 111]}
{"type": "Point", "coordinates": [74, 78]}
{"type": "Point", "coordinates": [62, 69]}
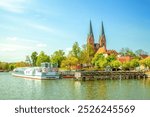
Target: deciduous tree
{"type": "Point", "coordinates": [34, 56]}
{"type": "Point", "coordinates": [42, 57]}
{"type": "Point", "coordinates": [69, 62]}
{"type": "Point", "coordinates": [57, 57]}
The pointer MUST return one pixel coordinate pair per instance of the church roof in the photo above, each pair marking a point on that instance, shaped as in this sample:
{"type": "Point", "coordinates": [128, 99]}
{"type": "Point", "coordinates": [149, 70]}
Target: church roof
{"type": "Point", "coordinates": [148, 57]}
{"type": "Point", "coordinates": [101, 50]}
{"type": "Point", "coordinates": [109, 52]}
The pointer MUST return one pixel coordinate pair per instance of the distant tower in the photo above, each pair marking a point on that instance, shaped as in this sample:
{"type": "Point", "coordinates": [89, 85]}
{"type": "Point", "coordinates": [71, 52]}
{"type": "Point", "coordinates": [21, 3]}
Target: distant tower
{"type": "Point", "coordinates": [90, 39]}
{"type": "Point", "coordinates": [102, 42]}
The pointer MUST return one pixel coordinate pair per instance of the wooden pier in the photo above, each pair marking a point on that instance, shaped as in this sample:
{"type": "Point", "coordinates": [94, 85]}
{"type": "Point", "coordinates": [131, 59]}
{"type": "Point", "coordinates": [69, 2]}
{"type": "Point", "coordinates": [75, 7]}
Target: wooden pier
{"type": "Point", "coordinates": [67, 74]}
{"type": "Point", "coordinates": [103, 75]}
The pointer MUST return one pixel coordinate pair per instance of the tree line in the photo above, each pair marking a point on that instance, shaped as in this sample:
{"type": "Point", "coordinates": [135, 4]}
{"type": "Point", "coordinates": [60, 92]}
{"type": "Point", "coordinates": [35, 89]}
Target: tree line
{"type": "Point", "coordinates": [82, 57]}
{"type": "Point", "coordinates": [5, 66]}
{"type": "Point", "coordinates": [85, 57]}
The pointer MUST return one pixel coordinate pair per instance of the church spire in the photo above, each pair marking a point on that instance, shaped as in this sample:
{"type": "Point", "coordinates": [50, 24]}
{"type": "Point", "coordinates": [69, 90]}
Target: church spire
{"type": "Point", "coordinates": [91, 30]}
{"type": "Point", "coordinates": [102, 40]}
{"type": "Point", "coordinates": [90, 38]}
{"type": "Point", "coordinates": [103, 33]}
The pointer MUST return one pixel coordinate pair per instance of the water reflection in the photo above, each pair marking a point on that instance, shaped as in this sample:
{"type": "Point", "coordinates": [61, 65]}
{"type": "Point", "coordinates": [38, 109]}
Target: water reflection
{"type": "Point", "coordinates": [77, 87]}
{"type": "Point", "coordinates": [18, 88]}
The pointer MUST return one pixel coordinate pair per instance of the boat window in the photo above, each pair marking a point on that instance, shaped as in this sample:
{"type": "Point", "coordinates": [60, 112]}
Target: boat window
{"type": "Point", "coordinates": [46, 65]}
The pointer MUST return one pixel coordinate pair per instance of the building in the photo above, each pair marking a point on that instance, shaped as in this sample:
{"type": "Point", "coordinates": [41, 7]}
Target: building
{"type": "Point", "coordinates": [100, 47]}
{"type": "Point", "coordinates": [123, 59]}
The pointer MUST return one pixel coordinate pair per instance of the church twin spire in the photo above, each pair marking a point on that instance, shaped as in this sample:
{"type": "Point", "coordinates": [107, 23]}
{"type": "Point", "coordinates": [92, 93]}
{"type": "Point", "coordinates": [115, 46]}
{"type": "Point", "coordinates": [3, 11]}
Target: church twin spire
{"type": "Point", "coordinates": [99, 48]}
{"type": "Point", "coordinates": [91, 29]}
{"type": "Point", "coordinates": [102, 39]}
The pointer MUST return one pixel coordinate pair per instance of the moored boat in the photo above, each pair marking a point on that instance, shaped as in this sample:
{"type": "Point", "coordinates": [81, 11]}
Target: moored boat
{"type": "Point", "coordinates": [46, 72]}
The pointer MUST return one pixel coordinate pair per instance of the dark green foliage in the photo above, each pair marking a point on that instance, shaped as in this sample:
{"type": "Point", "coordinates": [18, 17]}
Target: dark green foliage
{"type": "Point", "coordinates": [34, 56]}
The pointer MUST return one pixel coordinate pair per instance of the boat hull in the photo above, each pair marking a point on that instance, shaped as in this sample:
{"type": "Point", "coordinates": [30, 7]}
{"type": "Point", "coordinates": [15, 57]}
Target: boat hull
{"type": "Point", "coordinates": [36, 77]}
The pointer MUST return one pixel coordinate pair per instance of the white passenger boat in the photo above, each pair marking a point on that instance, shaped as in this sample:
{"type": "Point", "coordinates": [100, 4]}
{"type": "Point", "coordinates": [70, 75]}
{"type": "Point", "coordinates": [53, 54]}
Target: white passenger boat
{"type": "Point", "coordinates": [45, 72]}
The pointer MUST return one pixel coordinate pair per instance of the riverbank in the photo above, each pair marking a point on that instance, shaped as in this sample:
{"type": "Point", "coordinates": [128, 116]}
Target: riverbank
{"type": "Point", "coordinates": [68, 89]}
{"type": "Point", "coordinates": [148, 74]}
{"type": "Point", "coordinates": [4, 71]}
{"type": "Point", "coordinates": [107, 75]}
{"type": "Point", "coordinates": [104, 74]}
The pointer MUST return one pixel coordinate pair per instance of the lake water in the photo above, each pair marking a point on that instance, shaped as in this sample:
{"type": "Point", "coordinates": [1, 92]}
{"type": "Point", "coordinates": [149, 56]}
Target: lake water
{"type": "Point", "coordinates": [68, 89]}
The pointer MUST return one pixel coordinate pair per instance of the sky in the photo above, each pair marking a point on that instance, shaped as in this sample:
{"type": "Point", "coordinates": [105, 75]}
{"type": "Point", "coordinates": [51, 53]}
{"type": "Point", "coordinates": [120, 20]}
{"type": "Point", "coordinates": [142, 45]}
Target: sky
{"type": "Point", "coordinates": [50, 25]}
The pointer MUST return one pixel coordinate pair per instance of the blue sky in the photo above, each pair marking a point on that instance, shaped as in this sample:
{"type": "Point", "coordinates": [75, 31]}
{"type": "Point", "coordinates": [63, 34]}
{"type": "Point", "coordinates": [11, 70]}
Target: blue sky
{"type": "Point", "coordinates": [49, 25]}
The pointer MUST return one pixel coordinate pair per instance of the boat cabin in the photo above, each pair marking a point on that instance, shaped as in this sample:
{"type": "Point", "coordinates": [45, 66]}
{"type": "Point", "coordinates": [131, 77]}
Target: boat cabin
{"type": "Point", "coordinates": [48, 65]}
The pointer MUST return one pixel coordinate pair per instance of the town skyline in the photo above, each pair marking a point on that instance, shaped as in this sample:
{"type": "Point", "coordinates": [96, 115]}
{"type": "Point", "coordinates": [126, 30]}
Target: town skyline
{"type": "Point", "coordinates": [29, 25]}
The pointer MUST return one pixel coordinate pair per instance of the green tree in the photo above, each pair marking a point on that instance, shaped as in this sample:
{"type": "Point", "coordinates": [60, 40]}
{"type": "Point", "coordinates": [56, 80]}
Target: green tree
{"type": "Point", "coordinates": [145, 62]}
{"type": "Point", "coordinates": [42, 57]}
{"type": "Point", "coordinates": [127, 52]}
{"type": "Point", "coordinates": [134, 63]}
{"type": "Point", "coordinates": [102, 63]}
{"type": "Point", "coordinates": [99, 61]}
{"type": "Point", "coordinates": [115, 64]}
{"type": "Point", "coordinates": [140, 52]}
{"type": "Point", "coordinates": [111, 58]}
{"type": "Point", "coordinates": [87, 53]}
{"type": "Point", "coordinates": [96, 58]}
{"type": "Point", "coordinates": [126, 66]}
{"type": "Point", "coordinates": [34, 56]}
{"type": "Point", "coordinates": [69, 62]}
{"type": "Point", "coordinates": [11, 67]}
{"type": "Point", "coordinates": [76, 51]}
{"type": "Point", "coordinates": [90, 50]}
{"type": "Point", "coordinates": [57, 57]}
{"type": "Point", "coordinates": [84, 57]}
{"type": "Point", "coordinates": [4, 66]}
{"type": "Point", "coordinates": [21, 64]}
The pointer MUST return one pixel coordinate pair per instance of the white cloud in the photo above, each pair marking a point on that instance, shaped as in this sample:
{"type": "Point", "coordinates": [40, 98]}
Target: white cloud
{"type": "Point", "coordinates": [51, 30]}
{"type": "Point", "coordinates": [15, 48]}
{"type": "Point", "coordinates": [13, 44]}
{"type": "Point", "coordinates": [41, 27]}
{"type": "Point", "coordinates": [20, 40]}
{"type": "Point", "coordinates": [16, 6]}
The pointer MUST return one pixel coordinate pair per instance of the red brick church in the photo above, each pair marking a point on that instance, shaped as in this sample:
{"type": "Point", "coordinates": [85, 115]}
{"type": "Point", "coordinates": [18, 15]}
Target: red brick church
{"type": "Point", "coordinates": [101, 46]}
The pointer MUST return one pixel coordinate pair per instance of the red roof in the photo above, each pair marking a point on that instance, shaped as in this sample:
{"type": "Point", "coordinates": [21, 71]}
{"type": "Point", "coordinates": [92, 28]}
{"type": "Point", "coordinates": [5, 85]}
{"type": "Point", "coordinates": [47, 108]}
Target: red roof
{"type": "Point", "coordinates": [144, 56]}
{"type": "Point", "coordinates": [125, 58]}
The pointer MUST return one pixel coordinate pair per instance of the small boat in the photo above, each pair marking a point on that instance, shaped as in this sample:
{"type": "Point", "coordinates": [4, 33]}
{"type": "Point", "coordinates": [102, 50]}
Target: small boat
{"type": "Point", "coordinates": [46, 72]}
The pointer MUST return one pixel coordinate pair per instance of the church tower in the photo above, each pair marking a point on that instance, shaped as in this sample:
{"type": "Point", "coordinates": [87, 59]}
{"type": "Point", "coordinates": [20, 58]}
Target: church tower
{"type": "Point", "coordinates": [102, 42]}
{"type": "Point", "coordinates": [90, 38]}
